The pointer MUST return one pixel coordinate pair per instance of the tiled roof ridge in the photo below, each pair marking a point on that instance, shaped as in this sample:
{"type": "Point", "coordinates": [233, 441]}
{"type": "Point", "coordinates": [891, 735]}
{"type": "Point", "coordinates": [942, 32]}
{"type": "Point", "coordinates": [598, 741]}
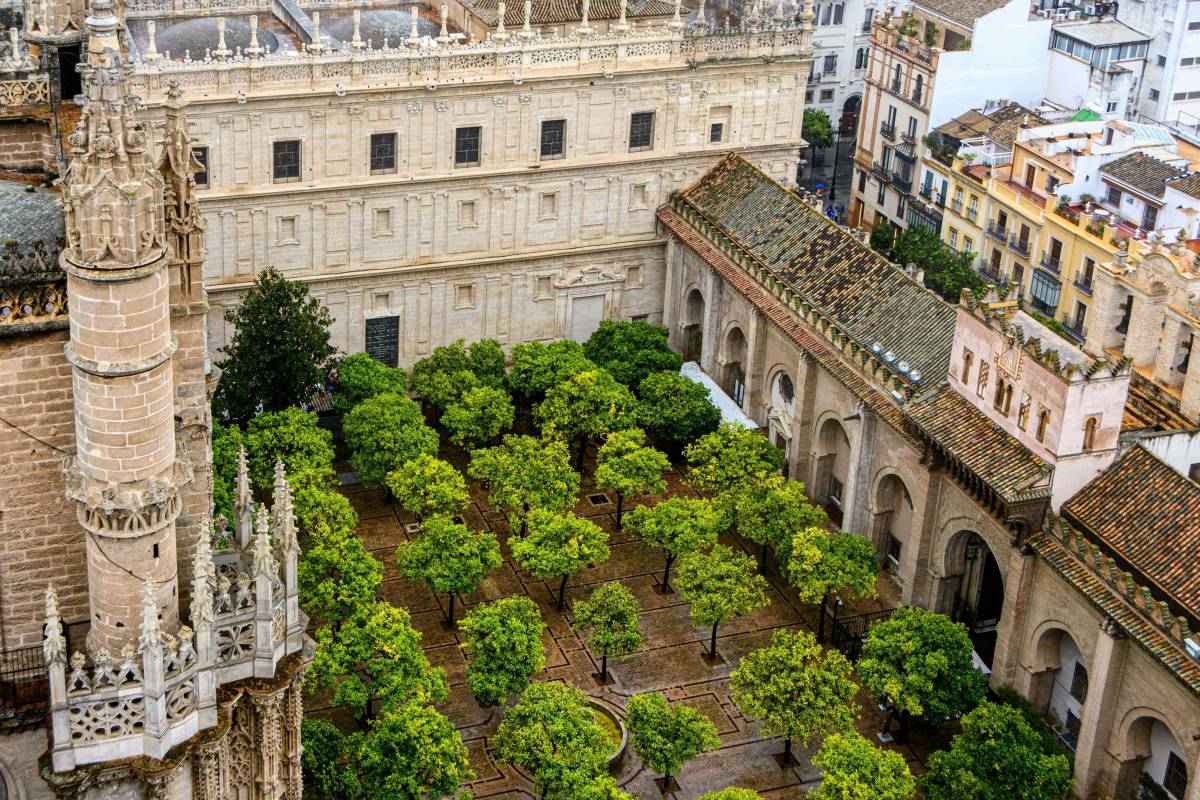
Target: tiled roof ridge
{"type": "Point", "coordinates": [808, 310]}
{"type": "Point", "coordinates": [1117, 595]}
{"type": "Point", "coordinates": [784, 316]}
{"type": "Point", "coordinates": [1048, 358]}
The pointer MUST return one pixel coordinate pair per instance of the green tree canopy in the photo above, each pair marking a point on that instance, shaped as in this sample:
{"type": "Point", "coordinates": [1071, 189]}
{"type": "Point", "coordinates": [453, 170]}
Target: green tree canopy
{"type": "Point", "coordinates": [679, 525]}
{"type": "Point", "coordinates": [631, 350]}
{"type": "Point", "coordinates": [486, 360]}
{"type": "Point", "coordinates": [523, 473]}
{"type": "Point", "coordinates": [480, 415]}
{"type": "Point", "coordinates": [375, 656]}
{"type": "Point", "coordinates": [732, 459]}
{"type": "Point", "coordinates": [336, 576]}
{"type": "Point", "coordinates": [360, 376]}
{"type": "Point", "coordinates": [818, 563]}
{"type": "Point", "coordinates": [603, 787]}
{"type": "Point", "coordinates": [613, 615]}
{"type": "Point", "coordinates": [627, 466]}
{"type": "Point", "coordinates": [383, 432]}
{"type": "Point", "coordinates": [552, 734]}
{"type": "Point", "coordinates": [882, 237]}
{"type": "Point", "coordinates": [318, 502]}
{"type": "Point", "coordinates": [447, 373]}
{"type": "Point", "coordinates": [947, 271]}
{"type": "Point", "coordinates": [503, 642]}
{"type": "Point", "coordinates": [558, 545]}
{"type": "Point", "coordinates": [537, 367]}
{"type": "Point", "coordinates": [921, 661]}
{"type": "Point", "coordinates": [411, 753]}
{"type": "Point", "coordinates": [280, 348]}
{"type": "Point", "coordinates": [292, 435]}
{"type": "Point", "coordinates": [718, 585]}
{"type": "Point", "coordinates": [733, 793]}
{"type": "Point", "coordinates": [428, 486]}
{"type": "Point", "coordinates": [585, 407]}
{"type": "Point", "coordinates": [226, 439]}
{"type": "Point", "coordinates": [997, 754]}
{"type": "Point", "coordinates": [449, 557]}
{"type": "Point", "coordinates": [818, 130]}
{"type": "Point", "coordinates": [675, 410]}
{"type": "Point", "coordinates": [667, 736]}
{"type": "Point", "coordinates": [854, 769]}
{"type": "Point", "coordinates": [770, 512]}
{"type": "Point", "coordinates": [324, 764]}
{"type": "Point", "coordinates": [797, 689]}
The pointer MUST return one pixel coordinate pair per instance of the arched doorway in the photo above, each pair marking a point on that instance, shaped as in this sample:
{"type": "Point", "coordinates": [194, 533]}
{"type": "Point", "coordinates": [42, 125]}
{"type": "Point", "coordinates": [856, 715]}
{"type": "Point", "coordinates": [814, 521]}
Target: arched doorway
{"type": "Point", "coordinates": [734, 379]}
{"type": "Point", "coordinates": [693, 325]}
{"type": "Point", "coordinates": [979, 596]}
{"type": "Point", "coordinates": [781, 413]}
{"type": "Point", "coordinates": [848, 124]}
{"type": "Point", "coordinates": [833, 467]}
{"type": "Point", "coordinates": [892, 521]}
{"type": "Point", "coordinates": [1060, 689]}
{"type": "Point", "coordinates": [1152, 755]}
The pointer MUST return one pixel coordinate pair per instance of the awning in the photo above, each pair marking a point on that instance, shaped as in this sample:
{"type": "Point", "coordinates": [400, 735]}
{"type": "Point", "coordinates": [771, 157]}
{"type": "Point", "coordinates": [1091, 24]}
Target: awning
{"type": "Point", "coordinates": [730, 412]}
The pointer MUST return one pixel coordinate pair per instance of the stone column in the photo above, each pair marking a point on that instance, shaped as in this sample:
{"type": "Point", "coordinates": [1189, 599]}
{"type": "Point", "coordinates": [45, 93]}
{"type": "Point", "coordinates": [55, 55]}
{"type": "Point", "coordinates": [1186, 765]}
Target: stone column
{"type": "Point", "coordinates": [1163, 365]}
{"type": "Point", "coordinates": [857, 500]}
{"type": "Point", "coordinates": [1190, 404]}
{"type": "Point", "coordinates": [755, 355]}
{"type": "Point", "coordinates": [674, 268]}
{"type": "Point", "coordinates": [807, 372]}
{"type": "Point", "coordinates": [916, 562]}
{"type": "Point", "coordinates": [1105, 675]}
{"type": "Point", "coordinates": [1104, 312]}
{"type": "Point", "coordinates": [710, 333]}
{"type": "Point", "coordinates": [1022, 571]}
{"type": "Point", "coordinates": [1145, 321]}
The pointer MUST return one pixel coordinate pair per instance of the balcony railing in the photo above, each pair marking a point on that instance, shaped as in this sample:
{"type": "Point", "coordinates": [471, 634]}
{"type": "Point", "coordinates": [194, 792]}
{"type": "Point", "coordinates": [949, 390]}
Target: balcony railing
{"type": "Point", "coordinates": [902, 183]}
{"type": "Point", "coordinates": [1019, 245]}
{"type": "Point", "coordinates": [1074, 327]}
{"type": "Point", "coordinates": [881, 172]}
{"type": "Point", "coordinates": [895, 87]}
{"type": "Point", "coordinates": [972, 214]}
{"type": "Point", "coordinates": [1051, 263]}
{"type": "Point", "coordinates": [888, 131]}
{"type": "Point", "coordinates": [997, 232]}
{"type": "Point", "coordinates": [1084, 285]}
{"type": "Point", "coordinates": [24, 687]}
{"type": "Point", "coordinates": [988, 271]}
{"type": "Point", "coordinates": [917, 97]}
{"type": "Point", "coordinates": [956, 206]}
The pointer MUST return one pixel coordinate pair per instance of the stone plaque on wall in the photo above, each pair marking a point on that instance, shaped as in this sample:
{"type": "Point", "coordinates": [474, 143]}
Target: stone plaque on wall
{"type": "Point", "coordinates": [383, 340]}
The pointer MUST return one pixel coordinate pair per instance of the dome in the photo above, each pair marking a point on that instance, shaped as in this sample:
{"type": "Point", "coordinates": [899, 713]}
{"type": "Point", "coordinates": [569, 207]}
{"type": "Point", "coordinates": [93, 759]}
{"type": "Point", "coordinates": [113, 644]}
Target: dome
{"type": "Point", "coordinates": [195, 36]}
{"type": "Point", "coordinates": [375, 25]}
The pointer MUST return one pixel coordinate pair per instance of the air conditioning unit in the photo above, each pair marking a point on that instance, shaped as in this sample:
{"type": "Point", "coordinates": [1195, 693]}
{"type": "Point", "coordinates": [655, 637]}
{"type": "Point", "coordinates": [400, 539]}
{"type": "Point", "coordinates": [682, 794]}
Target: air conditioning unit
{"type": "Point", "coordinates": [1192, 647]}
{"type": "Point", "coordinates": [1073, 15]}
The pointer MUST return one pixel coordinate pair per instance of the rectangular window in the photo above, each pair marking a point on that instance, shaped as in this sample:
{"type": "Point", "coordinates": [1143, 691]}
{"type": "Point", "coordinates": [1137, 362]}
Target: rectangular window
{"type": "Point", "coordinates": [882, 194]}
{"type": "Point", "coordinates": [968, 245]}
{"type": "Point", "coordinates": [1153, 94]}
{"type": "Point", "coordinates": [285, 161]}
{"type": "Point", "coordinates": [201, 154]}
{"type": "Point", "coordinates": [383, 153]}
{"type": "Point", "coordinates": [466, 214]}
{"type": "Point", "coordinates": [466, 146]}
{"type": "Point", "coordinates": [1111, 107]}
{"type": "Point", "coordinates": [1194, 26]}
{"type": "Point", "coordinates": [808, 97]}
{"type": "Point", "coordinates": [1112, 196]}
{"type": "Point", "coordinates": [830, 63]}
{"type": "Point", "coordinates": [1175, 778]}
{"type": "Point", "coordinates": [835, 491]}
{"type": "Point", "coordinates": [827, 95]}
{"type": "Point", "coordinates": [1044, 292]}
{"type": "Point", "coordinates": [716, 132]}
{"type": "Point", "coordinates": [641, 130]}
{"type": "Point", "coordinates": [953, 239]}
{"type": "Point", "coordinates": [1079, 682]}
{"type": "Point", "coordinates": [383, 340]}
{"type": "Point", "coordinates": [553, 138]}
{"type": "Point", "coordinates": [862, 182]}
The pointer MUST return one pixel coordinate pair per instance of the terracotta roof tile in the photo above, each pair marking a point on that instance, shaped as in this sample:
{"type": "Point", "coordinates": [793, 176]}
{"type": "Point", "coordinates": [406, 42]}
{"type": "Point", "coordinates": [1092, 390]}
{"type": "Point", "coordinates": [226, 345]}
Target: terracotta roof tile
{"type": "Point", "coordinates": [1189, 184]}
{"type": "Point", "coordinates": [1148, 515]}
{"type": "Point", "coordinates": [1143, 172]}
{"type": "Point", "coordinates": [962, 11]}
{"type": "Point", "coordinates": [846, 282]}
{"type": "Point", "coordinates": [985, 448]}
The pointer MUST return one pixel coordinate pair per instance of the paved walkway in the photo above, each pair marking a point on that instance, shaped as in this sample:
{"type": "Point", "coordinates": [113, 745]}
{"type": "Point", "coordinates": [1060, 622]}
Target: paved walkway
{"type": "Point", "coordinates": [669, 662]}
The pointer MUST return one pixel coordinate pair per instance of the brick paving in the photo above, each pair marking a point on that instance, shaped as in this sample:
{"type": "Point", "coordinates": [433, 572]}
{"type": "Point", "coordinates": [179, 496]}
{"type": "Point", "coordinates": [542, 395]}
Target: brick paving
{"type": "Point", "coordinates": [670, 660]}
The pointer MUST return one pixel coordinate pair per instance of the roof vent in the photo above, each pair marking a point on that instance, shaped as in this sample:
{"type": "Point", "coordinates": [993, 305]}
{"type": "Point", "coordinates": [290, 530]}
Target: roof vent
{"type": "Point", "coordinates": [1192, 647]}
{"type": "Point", "coordinates": [915, 376]}
{"type": "Point", "coordinates": [903, 367]}
{"type": "Point", "coordinates": [877, 347]}
{"type": "Point", "coordinates": [889, 356]}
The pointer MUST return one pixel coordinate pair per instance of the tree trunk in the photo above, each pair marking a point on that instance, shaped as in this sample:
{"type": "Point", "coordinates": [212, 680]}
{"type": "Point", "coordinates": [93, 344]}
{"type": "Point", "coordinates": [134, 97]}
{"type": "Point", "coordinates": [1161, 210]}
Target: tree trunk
{"type": "Point", "coordinates": [524, 518]}
{"type": "Point", "coordinates": [580, 456]}
{"type": "Point", "coordinates": [762, 559]}
{"type": "Point", "coordinates": [666, 584]}
{"type": "Point", "coordinates": [562, 592]}
{"type": "Point", "coordinates": [712, 650]}
{"type": "Point", "coordinates": [821, 624]}
{"type": "Point", "coordinates": [787, 750]}
{"type": "Point", "coordinates": [604, 667]}
{"type": "Point", "coordinates": [450, 618]}
{"type": "Point", "coordinates": [620, 507]}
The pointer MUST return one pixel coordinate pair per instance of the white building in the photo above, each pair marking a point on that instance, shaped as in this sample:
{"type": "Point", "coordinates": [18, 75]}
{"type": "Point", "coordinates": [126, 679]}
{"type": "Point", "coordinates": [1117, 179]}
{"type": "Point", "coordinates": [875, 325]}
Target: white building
{"type": "Point", "coordinates": [1168, 89]}
{"type": "Point", "coordinates": [841, 47]}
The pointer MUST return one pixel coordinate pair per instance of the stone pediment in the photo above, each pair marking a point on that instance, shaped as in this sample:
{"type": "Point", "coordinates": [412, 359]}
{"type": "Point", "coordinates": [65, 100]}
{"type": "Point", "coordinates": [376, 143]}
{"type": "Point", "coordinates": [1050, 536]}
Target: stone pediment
{"type": "Point", "coordinates": [592, 275]}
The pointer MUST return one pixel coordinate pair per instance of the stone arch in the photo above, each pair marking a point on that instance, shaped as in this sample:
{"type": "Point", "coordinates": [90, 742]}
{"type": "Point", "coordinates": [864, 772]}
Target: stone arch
{"type": "Point", "coordinates": [891, 516]}
{"type": "Point", "coordinates": [1059, 684]}
{"type": "Point", "coordinates": [11, 788]}
{"type": "Point", "coordinates": [1148, 743]}
{"type": "Point", "coordinates": [972, 589]}
{"type": "Point", "coordinates": [734, 351]}
{"type": "Point", "coordinates": [852, 106]}
{"type": "Point", "coordinates": [693, 324]}
{"type": "Point", "coordinates": [781, 411]}
{"type": "Point", "coordinates": [832, 465]}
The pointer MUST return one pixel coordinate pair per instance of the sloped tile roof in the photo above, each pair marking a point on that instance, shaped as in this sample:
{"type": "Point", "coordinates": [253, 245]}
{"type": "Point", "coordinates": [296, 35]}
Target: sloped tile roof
{"type": "Point", "coordinates": [962, 11]}
{"type": "Point", "coordinates": [983, 447]}
{"type": "Point", "coordinates": [550, 12]}
{"type": "Point", "coordinates": [849, 284]}
{"type": "Point", "coordinates": [1189, 184]}
{"type": "Point", "coordinates": [1148, 515]}
{"type": "Point", "coordinates": [1143, 172]}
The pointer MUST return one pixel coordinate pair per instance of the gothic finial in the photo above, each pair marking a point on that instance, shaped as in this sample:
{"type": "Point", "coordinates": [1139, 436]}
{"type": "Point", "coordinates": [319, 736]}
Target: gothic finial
{"type": "Point", "coordinates": [202, 572]}
{"type": "Point", "coordinates": [526, 28]}
{"type": "Point", "coordinates": [622, 24]}
{"type": "Point", "coordinates": [222, 52]}
{"type": "Point", "coordinates": [499, 35]}
{"type": "Point", "coordinates": [243, 498]}
{"type": "Point", "coordinates": [777, 17]}
{"type": "Point", "coordinates": [444, 34]}
{"type": "Point", "coordinates": [807, 15]}
{"type": "Point", "coordinates": [585, 27]}
{"type": "Point", "coordinates": [414, 37]}
{"type": "Point", "coordinates": [357, 43]}
{"type": "Point", "coordinates": [315, 47]}
{"type": "Point", "coordinates": [253, 50]}
{"type": "Point", "coordinates": [700, 21]}
{"type": "Point", "coordinates": [54, 645]}
{"type": "Point", "coordinates": [151, 628]}
{"type": "Point", "coordinates": [676, 23]}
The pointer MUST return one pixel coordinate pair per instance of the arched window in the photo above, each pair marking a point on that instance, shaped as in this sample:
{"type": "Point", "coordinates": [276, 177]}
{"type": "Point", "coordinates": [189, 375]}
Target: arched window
{"type": "Point", "coordinates": [920, 82]}
{"type": "Point", "coordinates": [968, 357]}
{"type": "Point", "coordinates": [1089, 433]}
{"type": "Point", "coordinates": [897, 77]}
{"type": "Point", "coordinates": [860, 58]}
{"type": "Point", "coordinates": [1003, 398]}
{"type": "Point", "coordinates": [981, 387]}
{"type": "Point", "coordinates": [1043, 424]}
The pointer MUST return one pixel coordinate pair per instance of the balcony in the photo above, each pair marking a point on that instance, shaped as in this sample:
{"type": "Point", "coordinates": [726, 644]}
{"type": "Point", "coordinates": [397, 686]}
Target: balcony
{"type": "Point", "coordinates": [888, 131]}
{"type": "Point", "coordinates": [972, 214]}
{"type": "Point", "coordinates": [881, 172]}
{"type": "Point", "coordinates": [1083, 284]}
{"type": "Point", "coordinates": [1074, 328]}
{"type": "Point", "coordinates": [997, 232]}
{"type": "Point", "coordinates": [24, 688]}
{"type": "Point", "coordinates": [909, 139]}
{"type": "Point", "coordinates": [989, 272]}
{"type": "Point", "coordinates": [902, 183]}
{"type": "Point", "coordinates": [894, 87]}
{"type": "Point", "coordinates": [1051, 263]}
{"type": "Point", "coordinates": [1019, 246]}
{"type": "Point", "coordinates": [956, 206]}
{"type": "Point", "coordinates": [917, 97]}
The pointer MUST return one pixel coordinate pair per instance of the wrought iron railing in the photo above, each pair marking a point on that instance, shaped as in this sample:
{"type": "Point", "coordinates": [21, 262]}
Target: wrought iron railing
{"type": "Point", "coordinates": [24, 687]}
{"type": "Point", "coordinates": [848, 633]}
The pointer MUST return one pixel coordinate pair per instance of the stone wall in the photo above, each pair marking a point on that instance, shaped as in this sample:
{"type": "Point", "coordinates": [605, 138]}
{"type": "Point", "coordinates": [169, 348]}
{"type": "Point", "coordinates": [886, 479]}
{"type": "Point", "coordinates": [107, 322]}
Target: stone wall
{"type": "Point", "coordinates": [40, 539]}
{"type": "Point", "coordinates": [27, 145]}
